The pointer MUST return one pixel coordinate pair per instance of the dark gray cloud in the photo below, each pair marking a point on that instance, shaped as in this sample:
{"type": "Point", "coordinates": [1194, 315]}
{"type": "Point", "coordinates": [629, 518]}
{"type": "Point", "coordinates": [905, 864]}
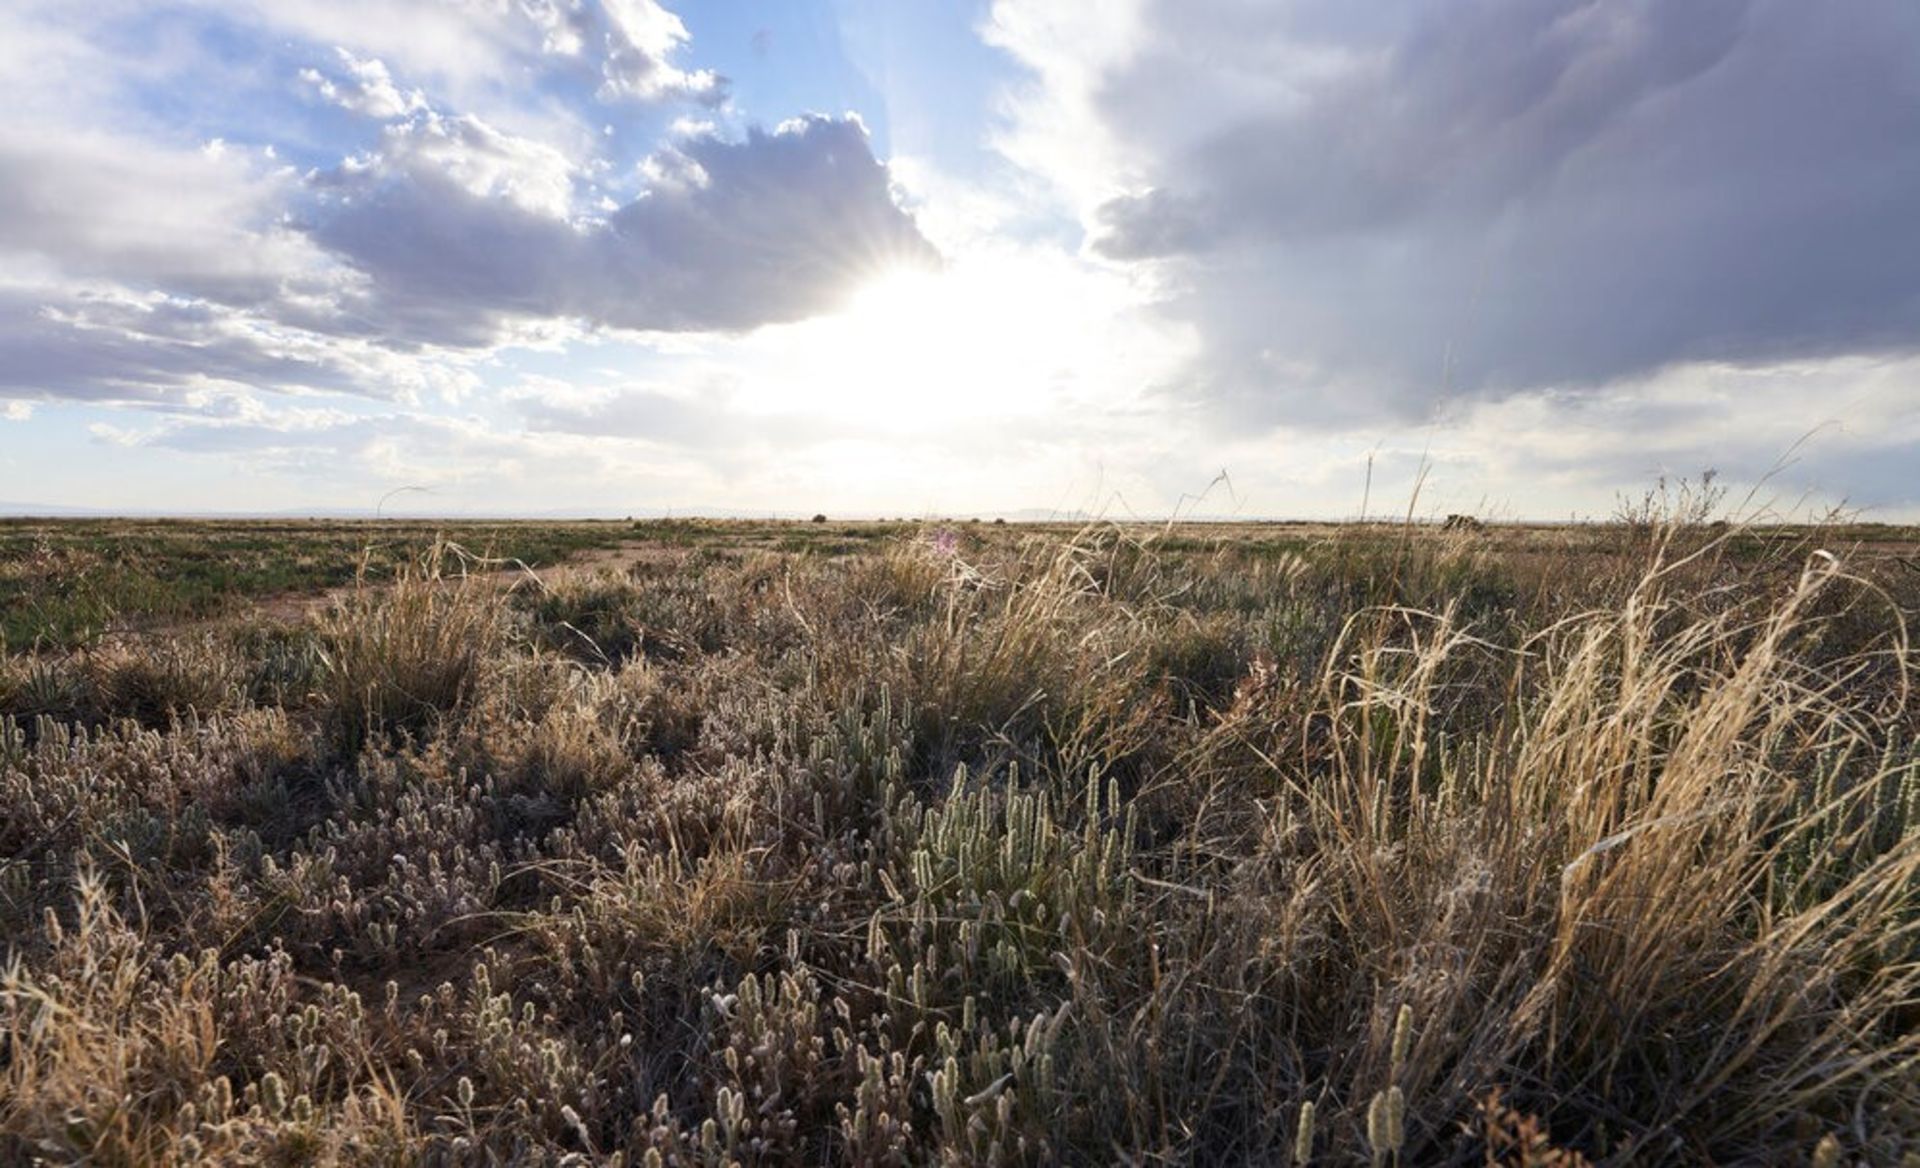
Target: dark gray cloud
{"type": "Point", "coordinates": [136, 272]}
{"type": "Point", "coordinates": [148, 271]}
{"type": "Point", "coordinates": [1879, 479]}
{"type": "Point", "coordinates": [1363, 207]}
{"type": "Point", "coordinates": [141, 262]}
{"type": "Point", "coordinates": [731, 235]}
{"type": "Point", "coordinates": [97, 207]}
{"type": "Point", "coordinates": [114, 348]}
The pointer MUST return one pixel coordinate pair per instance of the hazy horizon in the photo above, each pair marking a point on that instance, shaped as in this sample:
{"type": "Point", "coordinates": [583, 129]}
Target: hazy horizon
{"type": "Point", "coordinates": [1021, 257]}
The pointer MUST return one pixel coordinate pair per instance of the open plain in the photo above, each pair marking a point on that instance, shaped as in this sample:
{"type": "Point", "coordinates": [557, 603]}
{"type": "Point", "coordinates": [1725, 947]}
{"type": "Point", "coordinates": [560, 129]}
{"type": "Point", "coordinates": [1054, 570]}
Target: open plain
{"type": "Point", "coordinates": [704, 842]}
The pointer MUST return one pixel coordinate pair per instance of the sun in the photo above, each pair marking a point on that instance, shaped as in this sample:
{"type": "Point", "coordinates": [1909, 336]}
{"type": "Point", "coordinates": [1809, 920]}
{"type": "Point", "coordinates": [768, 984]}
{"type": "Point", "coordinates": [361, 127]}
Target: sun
{"type": "Point", "coordinates": [915, 349]}
{"type": "Point", "coordinates": [904, 317]}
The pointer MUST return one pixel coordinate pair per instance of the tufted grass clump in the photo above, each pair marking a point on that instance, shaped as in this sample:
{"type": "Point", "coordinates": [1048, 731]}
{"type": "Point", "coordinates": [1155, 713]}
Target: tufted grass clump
{"type": "Point", "coordinates": [401, 659]}
{"type": "Point", "coordinates": [998, 845]}
{"type": "Point", "coordinates": [154, 683]}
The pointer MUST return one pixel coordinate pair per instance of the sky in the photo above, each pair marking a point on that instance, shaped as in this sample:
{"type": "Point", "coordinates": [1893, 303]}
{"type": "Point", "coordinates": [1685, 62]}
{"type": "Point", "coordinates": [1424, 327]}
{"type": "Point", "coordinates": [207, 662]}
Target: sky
{"type": "Point", "coordinates": [1264, 258]}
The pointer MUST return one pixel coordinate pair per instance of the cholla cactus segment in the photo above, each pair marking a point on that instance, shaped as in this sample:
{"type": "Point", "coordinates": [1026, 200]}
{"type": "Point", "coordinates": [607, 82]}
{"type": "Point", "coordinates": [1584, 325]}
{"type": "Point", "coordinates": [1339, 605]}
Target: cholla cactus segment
{"type": "Point", "coordinates": [1402, 1039]}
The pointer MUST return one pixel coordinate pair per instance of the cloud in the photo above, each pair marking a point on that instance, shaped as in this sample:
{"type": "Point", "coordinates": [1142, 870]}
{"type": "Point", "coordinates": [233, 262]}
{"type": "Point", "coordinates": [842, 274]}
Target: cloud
{"type": "Point", "coordinates": [466, 463]}
{"type": "Point", "coordinates": [640, 412]}
{"type": "Point", "coordinates": [130, 272]}
{"type": "Point", "coordinates": [367, 88]}
{"type": "Point", "coordinates": [1828, 427]}
{"type": "Point", "coordinates": [135, 272]}
{"type": "Point", "coordinates": [730, 235]}
{"type": "Point", "coordinates": [1054, 125]}
{"type": "Point", "coordinates": [114, 346]}
{"type": "Point", "coordinates": [1366, 210]}
{"type": "Point", "coordinates": [467, 49]}
{"type": "Point", "coordinates": [485, 163]}
{"type": "Point", "coordinates": [697, 415]}
{"type": "Point", "coordinates": [139, 263]}
{"type": "Point", "coordinates": [634, 41]}
{"type": "Point", "coordinates": [464, 48]}
{"type": "Point", "coordinates": [89, 205]}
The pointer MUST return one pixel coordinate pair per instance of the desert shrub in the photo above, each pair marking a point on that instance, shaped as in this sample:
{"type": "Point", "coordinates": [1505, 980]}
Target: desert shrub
{"type": "Point", "coordinates": [1692, 747]}
{"type": "Point", "coordinates": [150, 682]}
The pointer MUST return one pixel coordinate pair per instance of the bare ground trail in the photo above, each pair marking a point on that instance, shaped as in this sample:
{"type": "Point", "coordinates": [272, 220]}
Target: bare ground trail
{"type": "Point", "coordinates": [295, 607]}
{"type": "Point", "coordinates": [292, 607]}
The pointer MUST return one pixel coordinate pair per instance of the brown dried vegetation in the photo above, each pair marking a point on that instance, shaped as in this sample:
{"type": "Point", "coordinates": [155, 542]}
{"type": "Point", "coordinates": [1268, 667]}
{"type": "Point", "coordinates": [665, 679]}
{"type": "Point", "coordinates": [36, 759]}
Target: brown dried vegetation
{"type": "Point", "coordinates": [1004, 848]}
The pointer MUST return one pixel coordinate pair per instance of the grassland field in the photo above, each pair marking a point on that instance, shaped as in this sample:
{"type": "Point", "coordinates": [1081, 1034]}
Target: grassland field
{"type": "Point", "coordinates": [711, 842]}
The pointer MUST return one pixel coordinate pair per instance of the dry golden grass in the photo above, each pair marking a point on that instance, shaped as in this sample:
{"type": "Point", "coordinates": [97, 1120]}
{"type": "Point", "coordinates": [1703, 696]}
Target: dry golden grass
{"type": "Point", "coordinates": [989, 846]}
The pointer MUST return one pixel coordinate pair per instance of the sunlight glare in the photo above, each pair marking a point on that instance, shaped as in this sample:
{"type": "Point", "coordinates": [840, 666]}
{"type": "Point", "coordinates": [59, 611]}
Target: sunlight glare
{"type": "Point", "coordinates": [985, 338]}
